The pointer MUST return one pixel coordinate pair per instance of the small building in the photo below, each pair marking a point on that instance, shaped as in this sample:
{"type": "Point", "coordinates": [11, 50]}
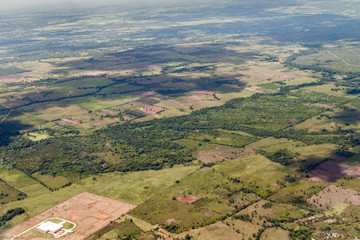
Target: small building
{"type": "Point", "coordinates": [49, 227]}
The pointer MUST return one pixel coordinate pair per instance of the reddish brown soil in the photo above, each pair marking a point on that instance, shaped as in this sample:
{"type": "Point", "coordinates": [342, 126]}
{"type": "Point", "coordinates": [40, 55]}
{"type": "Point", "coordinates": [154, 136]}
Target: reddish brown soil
{"type": "Point", "coordinates": [187, 199]}
{"type": "Point", "coordinates": [89, 211]}
{"type": "Point", "coordinates": [354, 171]}
{"type": "Point", "coordinates": [67, 121]}
{"type": "Point", "coordinates": [332, 196]}
{"type": "Point", "coordinates": [151, 109]}
{"type": "Point", "coordinates": [170, 221]}
{"type": "Point", "coordinates": [146, 94]}
{"type": "Point", "coordinates": [339, 158]}
{"type": "Point", "coordinates": [14, 76]}
{"type": "Point", "coordinates": [329, 172]}
{"type": "Point", "coordinates": [108, 111]}
{"type": "Point", "coordinates": [202, 92]}
{"type": "Point", "coordinates": [354, 200]}
{"type": "Point", "coordinates": [194, 97]}
{"type": "Point", "coordinates": [147, 100]}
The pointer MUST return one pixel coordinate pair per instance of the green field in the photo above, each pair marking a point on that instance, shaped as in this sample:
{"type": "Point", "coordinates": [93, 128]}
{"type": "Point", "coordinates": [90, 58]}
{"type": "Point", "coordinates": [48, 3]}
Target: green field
{"type": "Point", "coordinates": [52, 182]}
{"type": "Point", "coordinates": [9, 194]}
{"type": "Point", "coordinates": [132, 187]}
{"type": "Point", "coordinates": [253, 97]}
{"type": "Point", "coordinates": [4, 71]}
{"type": "Point", "coordinates": [23, 182]}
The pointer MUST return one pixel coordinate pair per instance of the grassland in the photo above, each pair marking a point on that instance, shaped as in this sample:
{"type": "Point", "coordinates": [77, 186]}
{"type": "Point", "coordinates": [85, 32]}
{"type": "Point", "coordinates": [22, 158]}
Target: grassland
{"type": "Point", "coordinates": [23, 182]}
{"type": "Point", "coordinates": [254, 171]}
{"type": "Point", "coordinates": [4, 71]}
{"type": "Point", "coordinates": [52, 182]}
{"type": "Point", "coordinates": [237, 103]}
{"type": "Point", "coordinates": [9, 194]}
{"type": "Point", "coordinates": [342, 59]}
{"type": "Point", "coordinates": [133, 187]}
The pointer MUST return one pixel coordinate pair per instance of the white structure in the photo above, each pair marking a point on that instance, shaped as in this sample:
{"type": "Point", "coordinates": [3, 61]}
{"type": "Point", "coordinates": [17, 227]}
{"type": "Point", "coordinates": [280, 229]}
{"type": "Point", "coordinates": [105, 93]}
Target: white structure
{"type": "Point", "coordinates": [49, 227]}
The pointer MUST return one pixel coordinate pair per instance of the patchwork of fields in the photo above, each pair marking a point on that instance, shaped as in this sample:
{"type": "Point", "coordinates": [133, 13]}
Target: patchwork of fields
{"type": "Point", "coordinates": [239, 121]}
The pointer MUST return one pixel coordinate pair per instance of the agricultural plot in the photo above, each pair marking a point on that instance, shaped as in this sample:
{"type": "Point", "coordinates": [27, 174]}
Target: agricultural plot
{"type": "Point", "coordinates": [332, 196]}
{"type": "Point", "coordinates": [268, 210]}
{"type": "Point", "coordinates": [123, 228]}
{"type": "Point", "coordinates": [224, 138]}
{"type": "Point", "coordinates": [331, 90]}
{"type": "Point", "coordinates": [5, 71]}
{"type": "Point", "coordinates": [221, 153]}
{"type": "Point", "coordinates": [245, 229]}
{"type": "Point", "coordinates": [319, 123]}
{"type": "Point", "coordinates": [329, 172]}
{"type": "Point", "coordinates": [90, 212]}
{"type": "Point", "coordinates": [275, 234]}
{"type": "Point", "coordinates": [194, 201]}
{"type": "Point", "coordinates": [340, 59]}
{"type": "Point", "coordinates": [22, 182]}
{"type": "Point", "coordinates": [299, 81]}
{"type": "Point", "coordinates": [133, 187]}
{"type": "Point", "coordinates": [52, 182]}
{"type": "Point", "coordinates": [254, 171]}
{"type": "Point", "coordinates": [315, 154]}
{"type": "Point", "coordinates": [9, 194]}
{"type": "Point", "coordinates": [297, 192]}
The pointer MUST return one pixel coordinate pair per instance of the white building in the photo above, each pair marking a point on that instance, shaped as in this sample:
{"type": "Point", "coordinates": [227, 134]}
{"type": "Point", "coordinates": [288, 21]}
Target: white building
{"type": "Point", "coordinates": [49, 227]}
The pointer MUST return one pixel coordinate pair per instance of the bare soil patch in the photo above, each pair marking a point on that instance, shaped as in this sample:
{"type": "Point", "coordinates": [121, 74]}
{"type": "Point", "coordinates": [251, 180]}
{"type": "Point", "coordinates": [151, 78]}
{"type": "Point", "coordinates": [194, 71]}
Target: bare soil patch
{"type": "Point", "coordinates": [339, 158]}
{"type": "Point", "coordinates": [202, 92]}
{"type": "Point", "coordinates": [187, 199]}
{"type": "Point", "coordinates": [329, 172]}
{"type": "Point", "coordinates": [96, 73]}
{"type": "Point", "coordinates": [194, 98]}
{"type": "Point", "coordinates": [220, 153]}
{"type": "Point", "coordinates": [108, 111]}
{"type": "Point", "coordinates": [170, 221]}
{"type": "Point", "coordinates": [155, 67]}
{"type": "Point", "coordinates": [89, 211]}
{"type": "Point", "coordinates": [147, 100]}
{"type": "Point", "coordinates": [354, 171]}
{"type": "Point", "coordinates": [152, 109]}
{"type": "Point", "coordinates": [146, 94]}
{"type": "Point", "coordinates": [332, 196]}
{"type": "Point", "coordinates": [65, 121]}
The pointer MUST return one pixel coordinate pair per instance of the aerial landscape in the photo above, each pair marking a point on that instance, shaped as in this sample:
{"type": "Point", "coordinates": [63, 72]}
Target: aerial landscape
{"type": "Point", "coordinates": [204, 119]}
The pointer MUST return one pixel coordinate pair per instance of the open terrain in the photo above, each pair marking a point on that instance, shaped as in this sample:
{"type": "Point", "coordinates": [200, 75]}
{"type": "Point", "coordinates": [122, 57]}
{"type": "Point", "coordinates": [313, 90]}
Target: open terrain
{"type": "Point", "coordinates": [181, 120]}
{"type": "Point", "coordinates": [90, 212]}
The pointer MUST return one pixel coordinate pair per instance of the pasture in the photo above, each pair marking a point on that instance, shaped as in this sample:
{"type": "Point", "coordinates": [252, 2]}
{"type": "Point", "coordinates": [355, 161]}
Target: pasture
{"type": "Point", "coordinates": [22, 182]}
{"type": "Point", "coordinates": [221, 153]}
{"type": "Point", "coordinates": [331, 196]}
{"type": "Point", "coordinates": [254, 171]}
{"type": "Point", "coordinates": [133, 187]}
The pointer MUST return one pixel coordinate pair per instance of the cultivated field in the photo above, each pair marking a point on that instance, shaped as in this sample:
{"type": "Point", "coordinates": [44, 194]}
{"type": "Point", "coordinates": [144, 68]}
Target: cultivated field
{"type": "Point", "coordinates": [89, 211]}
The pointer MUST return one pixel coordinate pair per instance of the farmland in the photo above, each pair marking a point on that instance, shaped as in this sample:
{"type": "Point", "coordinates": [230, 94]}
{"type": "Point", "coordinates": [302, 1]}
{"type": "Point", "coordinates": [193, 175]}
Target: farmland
{"type": "Point", "coordinates": [232, 120]}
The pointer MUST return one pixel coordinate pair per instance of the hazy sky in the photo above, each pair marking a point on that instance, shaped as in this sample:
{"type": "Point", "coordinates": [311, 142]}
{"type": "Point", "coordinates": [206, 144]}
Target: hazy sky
{"type": "Point", "coordinates": [7, 4]}
{"type": "Point", "coordinates": [17, 4]}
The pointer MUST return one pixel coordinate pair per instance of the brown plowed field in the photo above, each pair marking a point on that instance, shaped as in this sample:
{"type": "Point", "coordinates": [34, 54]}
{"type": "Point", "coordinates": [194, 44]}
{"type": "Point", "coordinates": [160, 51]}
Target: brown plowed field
{"type": "Point", "coordinates": [354, 171]}
{"type": "Point", "coordinates": [89, 211]}
{"type": "Point", "coordinates": [328, 172]}
{"type": "Point", "coordinates": [188, 199]}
